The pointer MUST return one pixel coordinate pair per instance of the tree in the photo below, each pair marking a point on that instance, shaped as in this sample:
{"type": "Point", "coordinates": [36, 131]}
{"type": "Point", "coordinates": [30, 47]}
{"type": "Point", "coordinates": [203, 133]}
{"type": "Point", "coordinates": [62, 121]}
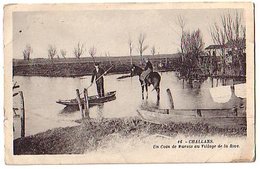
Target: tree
{"type": "Point", "coordinates": [27, 52]}
{"type": "Point", "coordinates": [182, 23]}
{"type": "Point", "coordinates": [153, 51]}
{"type": "Point", "coordinates": [78, 50]}
{"type": "Point", "coordinates": [52, 51]}
{"type": "Point", "coordinates": [63, 53]}
{"type": "Point", "coordinates": [130, 43]}
{"type": "Point", "coordinates": [230, 32]}
{"type": "Point", "coordinates": [92, 52]}
{"type": "Point", "coordinates": [192, 47]}
{"type": "Point", "coordinates": [193, 44]}
{"type": "Point", "coordinates": [141, 46]}
{"type": "Point", "coordinates": [107, 54]}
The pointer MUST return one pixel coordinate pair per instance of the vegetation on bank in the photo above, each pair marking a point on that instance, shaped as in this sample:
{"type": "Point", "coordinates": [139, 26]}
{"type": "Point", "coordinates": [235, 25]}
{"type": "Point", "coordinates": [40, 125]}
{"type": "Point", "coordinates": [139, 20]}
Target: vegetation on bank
{"type": "Point", "coordinates": [73, 67]}
{"type": "Point", "coordinates": [85, 137]}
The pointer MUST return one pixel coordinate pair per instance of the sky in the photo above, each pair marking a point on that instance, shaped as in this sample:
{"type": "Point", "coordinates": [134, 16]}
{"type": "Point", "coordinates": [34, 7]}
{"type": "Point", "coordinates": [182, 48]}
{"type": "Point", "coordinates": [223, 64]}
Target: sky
{"type": "Point", "coordinates": [108, 30]}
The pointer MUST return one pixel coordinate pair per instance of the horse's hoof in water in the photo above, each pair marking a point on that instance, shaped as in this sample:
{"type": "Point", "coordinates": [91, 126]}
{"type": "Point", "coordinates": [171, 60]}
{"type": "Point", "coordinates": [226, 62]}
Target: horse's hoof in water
{"type": "Point", "coordinates": [147, 97]}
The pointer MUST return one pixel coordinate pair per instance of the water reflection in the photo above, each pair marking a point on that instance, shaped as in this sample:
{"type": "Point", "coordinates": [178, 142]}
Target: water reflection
{"type": "Point", "coordinates": [150, 105]}
{"type": "Point", "coordinates": [44, 113]}
{"type": "Point", "coordinates": [74, 108]}
{"type": "Point", "coordinates": [69, 109]}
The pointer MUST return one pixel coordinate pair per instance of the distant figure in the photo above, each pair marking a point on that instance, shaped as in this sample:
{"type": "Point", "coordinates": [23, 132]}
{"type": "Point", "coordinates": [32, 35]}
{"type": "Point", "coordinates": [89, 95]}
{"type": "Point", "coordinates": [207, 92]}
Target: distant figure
{"type": "Point", "coordinates": [147, 70]}
{"type": "Point", "coordinates": [98, 74]}
{"type": "Point", "coordinates": [214, 53]}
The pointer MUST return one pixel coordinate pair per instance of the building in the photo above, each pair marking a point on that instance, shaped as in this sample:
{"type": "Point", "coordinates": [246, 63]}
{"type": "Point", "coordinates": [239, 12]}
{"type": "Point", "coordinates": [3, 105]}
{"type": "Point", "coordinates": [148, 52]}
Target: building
{"type": "Point", "coordinates": [233, 53]}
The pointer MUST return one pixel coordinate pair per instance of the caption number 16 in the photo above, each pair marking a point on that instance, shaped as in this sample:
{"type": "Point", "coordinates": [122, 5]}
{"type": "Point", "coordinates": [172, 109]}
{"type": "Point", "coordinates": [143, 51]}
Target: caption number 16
{"type": "Point", "coordinates": [179, 141]}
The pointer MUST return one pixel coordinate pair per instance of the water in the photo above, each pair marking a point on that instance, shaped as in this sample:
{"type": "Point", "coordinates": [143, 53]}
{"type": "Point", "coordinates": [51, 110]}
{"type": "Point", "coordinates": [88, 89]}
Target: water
{"type": "Point", "coordinates": [43, 113]}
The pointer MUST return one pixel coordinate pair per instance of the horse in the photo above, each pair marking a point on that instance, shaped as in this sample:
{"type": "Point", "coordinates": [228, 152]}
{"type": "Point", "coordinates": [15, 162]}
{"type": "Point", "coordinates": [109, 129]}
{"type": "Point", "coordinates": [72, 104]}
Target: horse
{"type": "Point", "coordinates": [153, 78]}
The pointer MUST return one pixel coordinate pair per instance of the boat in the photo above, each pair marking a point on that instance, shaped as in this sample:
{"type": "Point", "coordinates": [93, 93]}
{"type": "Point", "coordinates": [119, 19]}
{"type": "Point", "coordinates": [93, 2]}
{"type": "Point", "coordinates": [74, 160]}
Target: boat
{"type": "Point", "coordinates": [93, 100]}
{"type": "Point", "coordinates": [214, 117]}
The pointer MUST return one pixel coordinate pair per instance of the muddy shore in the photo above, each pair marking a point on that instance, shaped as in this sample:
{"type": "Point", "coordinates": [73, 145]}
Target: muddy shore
{"type": "Point", "coordinates": [88, 137]}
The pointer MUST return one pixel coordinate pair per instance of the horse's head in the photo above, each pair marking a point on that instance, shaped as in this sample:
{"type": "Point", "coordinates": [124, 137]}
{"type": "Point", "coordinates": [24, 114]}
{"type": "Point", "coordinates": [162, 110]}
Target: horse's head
{"type": "Point", "coordinates": [133, 70]}
{"type": "Point", "coordinates": [136, 70]}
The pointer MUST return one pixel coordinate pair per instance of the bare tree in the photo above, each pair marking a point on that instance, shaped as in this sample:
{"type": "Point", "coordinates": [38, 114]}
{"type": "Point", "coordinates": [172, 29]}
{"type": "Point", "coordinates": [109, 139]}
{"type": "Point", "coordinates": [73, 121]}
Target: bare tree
{"type": "Point", "coordinates": [79, 50]}
{"type": "Point", "coordinates": [153, 50]}
{"type": "Point", "coordinates": [63, 53]}
{"type": "Point", "coordinates": [229, 33]}
{"type": "Point", "coordinates": [92, 52]}
{"type": "Point", "coordinates": [52, 51]}
{"type": "Point", "coordinates": [218, 36]}
{"type": "Point", "coordinates": [234, 30]}
{"type": "Point", "coordinates": [107, 54]}
{"type": "Point", "coordinates": [130, 44]}
{"type": "Point", "coordinates": [27, 52]}
{"type": "Point", "coordinates": [182, 23]}
{"type": "Point", "coordinates": [193, 46]}
{"type": "Point", "coordinates": [141, 46]}
{"type": "Point", "coordinates": [193, 43]}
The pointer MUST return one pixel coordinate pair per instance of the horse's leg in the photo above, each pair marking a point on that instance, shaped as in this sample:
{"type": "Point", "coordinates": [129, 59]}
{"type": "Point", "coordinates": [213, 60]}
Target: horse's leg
{"type": "Point", "coordinates": [142, 90]}
{"type": "Point", "coordinates": [146, 89]}
{"type": "Point", "coordinates": [158, 103]}
{"type": "Point", "coordinates": [158, 93]}
{"type": "Point", "coordinates": [156, 85]}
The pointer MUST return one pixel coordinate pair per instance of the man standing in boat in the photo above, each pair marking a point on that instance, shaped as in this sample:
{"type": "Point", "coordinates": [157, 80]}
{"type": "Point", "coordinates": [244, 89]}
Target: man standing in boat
{"type": "Point", "coordinates": [98, 74]}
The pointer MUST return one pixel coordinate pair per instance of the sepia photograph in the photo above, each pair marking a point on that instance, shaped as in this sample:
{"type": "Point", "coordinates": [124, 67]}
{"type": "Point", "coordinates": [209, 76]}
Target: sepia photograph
{"type": "Point", "coordinates": [129, 83]}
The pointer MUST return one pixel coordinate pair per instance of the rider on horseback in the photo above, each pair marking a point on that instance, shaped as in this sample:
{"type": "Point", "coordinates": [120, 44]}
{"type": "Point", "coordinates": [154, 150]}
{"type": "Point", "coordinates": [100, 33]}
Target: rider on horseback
{"type": "Point", "coordinates": [147, 70]}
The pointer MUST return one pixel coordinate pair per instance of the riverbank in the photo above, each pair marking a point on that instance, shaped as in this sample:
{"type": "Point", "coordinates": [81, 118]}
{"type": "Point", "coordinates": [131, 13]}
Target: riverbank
{"type": "Point", "coordinates": [85, 138]}
{"type": "Point", "coordinates": [72, 67]}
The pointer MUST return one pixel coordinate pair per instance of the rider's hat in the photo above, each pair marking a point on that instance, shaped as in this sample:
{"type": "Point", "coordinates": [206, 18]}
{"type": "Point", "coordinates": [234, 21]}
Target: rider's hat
{"type": "Point", "coordinates": [97, 63]}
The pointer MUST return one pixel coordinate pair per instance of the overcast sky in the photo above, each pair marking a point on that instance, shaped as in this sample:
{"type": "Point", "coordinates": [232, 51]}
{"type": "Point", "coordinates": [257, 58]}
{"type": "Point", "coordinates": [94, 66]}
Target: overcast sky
{"type": "Point", "coordinates": [108, 31]}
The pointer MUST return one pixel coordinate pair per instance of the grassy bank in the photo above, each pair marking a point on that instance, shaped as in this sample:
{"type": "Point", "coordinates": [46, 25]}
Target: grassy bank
{"type": "Point", "coordinates": [85, 138]}
{"type": "Point", "coordinates": [72, 67]}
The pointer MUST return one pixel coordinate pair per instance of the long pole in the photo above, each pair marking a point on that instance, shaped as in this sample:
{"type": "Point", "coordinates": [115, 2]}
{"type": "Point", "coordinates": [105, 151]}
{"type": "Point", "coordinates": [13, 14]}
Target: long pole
{"type": "Point", "coordinates": [79, 103]}
{"type": "Point", "coordinates": [22, 115]}
{"type": "Point", "coordinates": [170, 98]}
{"type": "Point", "coordinates": [104, 73]}
{"type": "Point", "coordinates": [101, 75]}
{"type": "Point", "coordinates": [86, 103]}
{"type": "Point", "coordinates": [97, 78]}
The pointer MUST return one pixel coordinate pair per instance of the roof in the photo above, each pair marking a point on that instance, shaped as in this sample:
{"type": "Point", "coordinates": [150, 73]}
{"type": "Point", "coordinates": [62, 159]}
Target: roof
{"type": "Point", "coordinates": [214, 47]}
{"type": "Point", "coordinates": [241, 43]}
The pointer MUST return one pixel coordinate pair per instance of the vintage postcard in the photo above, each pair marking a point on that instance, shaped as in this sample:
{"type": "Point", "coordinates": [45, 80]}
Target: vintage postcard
{"type": "Point", "coordinates": [129, 83]}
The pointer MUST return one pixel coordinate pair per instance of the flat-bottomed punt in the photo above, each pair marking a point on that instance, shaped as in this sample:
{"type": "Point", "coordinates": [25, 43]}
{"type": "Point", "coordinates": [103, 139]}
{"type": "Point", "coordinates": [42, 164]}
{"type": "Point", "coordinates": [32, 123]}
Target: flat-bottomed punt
{"type": "Point", "coordinates": [214, 117]}
{"type": "Point", "coordinates": [93, 100]}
